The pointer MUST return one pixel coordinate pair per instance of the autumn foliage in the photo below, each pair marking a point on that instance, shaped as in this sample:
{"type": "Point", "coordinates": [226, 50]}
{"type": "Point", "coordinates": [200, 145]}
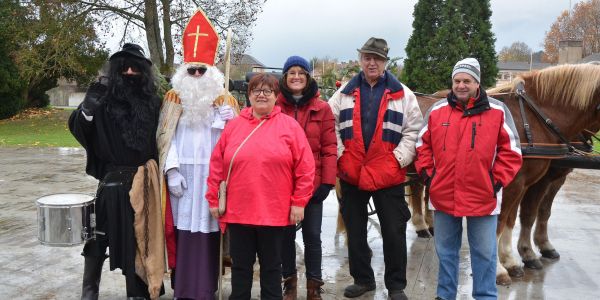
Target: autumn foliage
{"type": "Point", "coordinates": [582, 24]}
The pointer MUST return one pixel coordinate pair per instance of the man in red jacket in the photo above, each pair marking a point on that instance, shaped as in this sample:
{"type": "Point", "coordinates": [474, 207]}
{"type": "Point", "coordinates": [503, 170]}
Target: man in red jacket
{"type": "Point", "coordinates": [377, 122]}
{"type": "Point", "coordinates": [468, 150]}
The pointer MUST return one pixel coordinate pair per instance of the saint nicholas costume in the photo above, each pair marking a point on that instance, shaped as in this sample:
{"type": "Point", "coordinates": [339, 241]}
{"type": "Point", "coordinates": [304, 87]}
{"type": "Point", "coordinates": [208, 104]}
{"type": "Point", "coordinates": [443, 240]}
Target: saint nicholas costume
{"type": "Point", "coordinates": [190, 125]}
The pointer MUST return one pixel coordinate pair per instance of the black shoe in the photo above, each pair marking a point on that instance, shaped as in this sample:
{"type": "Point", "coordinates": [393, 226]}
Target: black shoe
{"type": "Point", "coordinates": [397, 295]}
{"type": "Point", "coordinates": [439, 298]}
{"type": "Point", "coordinates": [355, 290]}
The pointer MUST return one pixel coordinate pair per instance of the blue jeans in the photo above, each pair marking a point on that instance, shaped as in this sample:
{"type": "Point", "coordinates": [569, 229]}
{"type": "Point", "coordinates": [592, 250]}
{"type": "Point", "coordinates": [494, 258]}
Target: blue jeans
{"type": "Point", "coordinates": [481, 232]}
{"type": "Point", "coordinates": [311, 234]}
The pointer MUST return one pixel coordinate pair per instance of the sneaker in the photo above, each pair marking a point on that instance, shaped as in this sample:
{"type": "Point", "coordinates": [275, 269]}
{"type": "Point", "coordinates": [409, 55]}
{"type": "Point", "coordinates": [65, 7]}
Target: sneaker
{"type": "Point", "coordinates": [355, 290]}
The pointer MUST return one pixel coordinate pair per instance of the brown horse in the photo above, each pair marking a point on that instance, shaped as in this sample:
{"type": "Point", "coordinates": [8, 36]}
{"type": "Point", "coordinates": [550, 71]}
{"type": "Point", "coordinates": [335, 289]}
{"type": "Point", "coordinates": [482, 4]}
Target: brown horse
{"type": "Point", "coordinates": [568, 88]}
{"type": "Point", "coordinates": [536, 207]}
{"type": "Point", "coordinates": [570, 96]}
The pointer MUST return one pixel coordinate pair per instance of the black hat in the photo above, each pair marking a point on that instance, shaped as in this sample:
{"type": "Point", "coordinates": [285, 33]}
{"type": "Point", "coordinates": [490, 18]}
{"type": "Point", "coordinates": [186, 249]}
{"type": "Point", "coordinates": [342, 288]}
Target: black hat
{"type": "Point", "coordinates": [132, 50]}
{"type": "Point", "coordinates": [375, 46]}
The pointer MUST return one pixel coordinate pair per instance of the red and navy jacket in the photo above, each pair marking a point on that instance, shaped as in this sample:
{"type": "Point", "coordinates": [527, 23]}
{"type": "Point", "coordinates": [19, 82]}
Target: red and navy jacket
{"type": "Point", "coordinates": [392, 147]}
{"type": "Point", "coordinates": [469, 154]}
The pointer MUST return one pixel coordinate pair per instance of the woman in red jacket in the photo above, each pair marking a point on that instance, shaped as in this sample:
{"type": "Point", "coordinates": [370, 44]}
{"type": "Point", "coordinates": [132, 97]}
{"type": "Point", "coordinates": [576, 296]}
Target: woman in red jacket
{"type": "Point", "coordinates": [270, 183]}
{"type": "Point", "coordinates": [299, 98]}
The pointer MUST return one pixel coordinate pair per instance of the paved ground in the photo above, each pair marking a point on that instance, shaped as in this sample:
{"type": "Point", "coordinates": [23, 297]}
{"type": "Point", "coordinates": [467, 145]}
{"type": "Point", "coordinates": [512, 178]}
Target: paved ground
{"type": "Point", "coordinates": [32, 271]}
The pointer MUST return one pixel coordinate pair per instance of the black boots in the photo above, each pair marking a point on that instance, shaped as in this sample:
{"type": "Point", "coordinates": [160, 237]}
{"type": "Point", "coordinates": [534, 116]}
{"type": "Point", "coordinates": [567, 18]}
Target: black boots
{"type": "Point", "coordinates": [92, 271]}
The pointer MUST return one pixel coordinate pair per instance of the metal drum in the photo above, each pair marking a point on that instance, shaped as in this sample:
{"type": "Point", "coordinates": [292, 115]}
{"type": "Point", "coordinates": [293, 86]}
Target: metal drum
{"type": "Point", "coordinates": [65, 219]}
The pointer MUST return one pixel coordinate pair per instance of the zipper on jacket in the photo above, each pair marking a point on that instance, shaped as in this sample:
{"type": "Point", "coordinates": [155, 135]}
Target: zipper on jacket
{"type": "Point", "coordinates": [473, 133]}
{"type": "Point", "coordinates": [296, 112]}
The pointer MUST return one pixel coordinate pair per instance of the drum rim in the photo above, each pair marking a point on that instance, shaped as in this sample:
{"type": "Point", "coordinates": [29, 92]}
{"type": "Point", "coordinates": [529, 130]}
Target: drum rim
{"type": "Point", "coordinates": [86, 203]}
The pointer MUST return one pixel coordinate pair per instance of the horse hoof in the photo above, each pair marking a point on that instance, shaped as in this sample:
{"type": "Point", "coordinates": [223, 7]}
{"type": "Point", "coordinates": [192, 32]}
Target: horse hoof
{"type": "Point", "coordinates": [423, 233]}
{"type": "Point", "coordinates": [503, 279]}
{"type": "Point", "coordinates": [516, 271]}
{"type": "Point", "coordinates": [550, 254]}
{"type": "Point", "coordinates": [535, 264]}
{"type": "Point", "coordinates": [431, 230]}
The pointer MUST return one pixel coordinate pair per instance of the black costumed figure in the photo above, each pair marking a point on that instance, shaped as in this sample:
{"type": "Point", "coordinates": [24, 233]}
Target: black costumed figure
{"type": "Point", "coordinates": [116, 124]}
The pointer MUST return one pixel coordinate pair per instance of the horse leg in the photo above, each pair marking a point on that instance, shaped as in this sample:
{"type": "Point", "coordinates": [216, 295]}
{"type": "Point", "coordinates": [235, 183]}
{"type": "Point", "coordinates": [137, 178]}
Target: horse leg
{"type": "Point", "coordinates": [508, 266]}
{"type": "Point", "coordinates": [540, 237]}
{"type": "Point", "coordinates": [428, 212]}
{"type": "Point", "coordinates": [418, 205]}
{"type": "Point", "coordinates": [341, 227]}
{"type": "Point", "coordinates": [529, 210]}
{"type": "Point", "coordinates": [502, 277]}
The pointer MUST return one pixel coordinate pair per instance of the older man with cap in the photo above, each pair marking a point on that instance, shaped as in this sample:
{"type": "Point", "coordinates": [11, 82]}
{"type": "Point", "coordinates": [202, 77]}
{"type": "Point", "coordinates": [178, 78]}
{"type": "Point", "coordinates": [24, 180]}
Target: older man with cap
{"type": "Point", "coordinates": [116, 124]}
{"type": "Point", "coordinates": [467, 151]}
{"type": "Point", "coordinates": [377, 121]}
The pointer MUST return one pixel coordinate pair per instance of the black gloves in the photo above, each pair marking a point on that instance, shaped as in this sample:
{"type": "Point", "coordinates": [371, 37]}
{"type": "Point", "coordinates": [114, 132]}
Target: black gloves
{"type": "Point", "coordinates": [93, 98]}
{"type": "Point", "coordinates": [321, 193]}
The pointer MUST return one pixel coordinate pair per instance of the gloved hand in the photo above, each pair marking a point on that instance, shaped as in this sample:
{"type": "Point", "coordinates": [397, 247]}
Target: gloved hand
{"type": "Point", "coordinates": [176, 182]}
{"type": "Point", "coordinates": [93, 98]}
{"type": "Point", "coordinates": [226, 112]}
{"type": "Point", "coordinates": [321, 193]}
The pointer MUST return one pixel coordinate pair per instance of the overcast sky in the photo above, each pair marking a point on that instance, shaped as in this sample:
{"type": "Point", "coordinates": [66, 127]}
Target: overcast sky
{"type": "Point", "coordinates": [336, 28]}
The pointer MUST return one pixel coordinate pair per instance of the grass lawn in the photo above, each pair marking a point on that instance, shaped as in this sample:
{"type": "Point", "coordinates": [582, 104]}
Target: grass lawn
{"type": "Point", "coordinates": [37, 128]}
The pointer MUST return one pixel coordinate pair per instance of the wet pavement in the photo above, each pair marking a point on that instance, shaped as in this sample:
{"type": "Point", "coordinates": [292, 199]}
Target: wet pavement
{"type": "Point", "coordinates": [29, 270]}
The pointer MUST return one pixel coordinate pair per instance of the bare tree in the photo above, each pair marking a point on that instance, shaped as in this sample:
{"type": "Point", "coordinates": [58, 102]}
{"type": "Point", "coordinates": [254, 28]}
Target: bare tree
{"type": "Point", "coordinates": [582, 24]}
{"type": "Point", "coordinates": [163, 21]}
{"type": "Point", "coordinates": [517, 51]}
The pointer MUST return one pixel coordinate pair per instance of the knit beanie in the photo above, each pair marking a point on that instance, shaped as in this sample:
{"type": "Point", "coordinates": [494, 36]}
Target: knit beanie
{"type": "Point", "coordinates": [296, 61]}
{"type": "Point", "coordinates": [468, 65]}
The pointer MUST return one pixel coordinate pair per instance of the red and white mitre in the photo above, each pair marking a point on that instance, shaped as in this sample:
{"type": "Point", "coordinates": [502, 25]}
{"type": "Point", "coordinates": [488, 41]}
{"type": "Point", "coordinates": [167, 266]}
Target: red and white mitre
{"type": "Point", "coordinates": [200, 40]}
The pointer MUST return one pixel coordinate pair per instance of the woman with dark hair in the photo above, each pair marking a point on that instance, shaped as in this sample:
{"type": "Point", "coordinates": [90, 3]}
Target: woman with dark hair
{"type": "Point", "coordinates": [270, 182]}
{"type": "Point", "coordinates": [116, 124]}
{"type": "Point", "coordinates": [300, 99]}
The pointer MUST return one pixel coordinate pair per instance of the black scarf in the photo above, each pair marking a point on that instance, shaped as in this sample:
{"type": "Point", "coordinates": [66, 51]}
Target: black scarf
{"type": "Point", "coordinates": [310, 93]}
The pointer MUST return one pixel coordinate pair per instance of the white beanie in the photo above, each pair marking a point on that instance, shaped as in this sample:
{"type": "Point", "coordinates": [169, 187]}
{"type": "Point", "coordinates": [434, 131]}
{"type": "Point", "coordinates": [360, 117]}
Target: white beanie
{"type": "Point", "coordinates": [468, 65]}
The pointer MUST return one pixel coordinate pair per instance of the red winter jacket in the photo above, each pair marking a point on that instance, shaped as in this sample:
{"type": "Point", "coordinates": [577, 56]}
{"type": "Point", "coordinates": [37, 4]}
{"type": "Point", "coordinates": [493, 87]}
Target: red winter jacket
{"type": "Point", "coordinates": [273, 170]}
{"type": "Point", "coordinates": [315, 117]}
{"type": "Point", "coordinates": [392, 147]}
{"type": "Point", "coordinates": [467, 153]}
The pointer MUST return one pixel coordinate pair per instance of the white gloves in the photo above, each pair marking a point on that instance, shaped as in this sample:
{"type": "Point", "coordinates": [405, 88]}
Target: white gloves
{"type": "Point", "coordinates": [176, 182]}
{"type": "Point", "coordinates": [226, 112]}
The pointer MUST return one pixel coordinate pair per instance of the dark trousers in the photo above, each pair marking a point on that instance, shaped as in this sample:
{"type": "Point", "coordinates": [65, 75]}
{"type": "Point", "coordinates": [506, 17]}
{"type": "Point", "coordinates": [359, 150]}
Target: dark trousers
{"type": "Point", "coordinates": [246, 241]}
{"type": "Point", "coordinates": [134, 285]}
{"type": "Point", "coordinates": [311, 234]}
{"type": "Point", "coordinates": [393, 214]}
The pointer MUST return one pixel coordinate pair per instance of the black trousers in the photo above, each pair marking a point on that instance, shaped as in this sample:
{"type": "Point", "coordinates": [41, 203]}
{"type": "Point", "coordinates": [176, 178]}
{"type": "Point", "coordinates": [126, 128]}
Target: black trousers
{"type": "Point", "coordinates": [311, 234]}
{"type": "Point", "coordinates": [393, 213]}
{"type": "Point", "coordinates": [246, 241]}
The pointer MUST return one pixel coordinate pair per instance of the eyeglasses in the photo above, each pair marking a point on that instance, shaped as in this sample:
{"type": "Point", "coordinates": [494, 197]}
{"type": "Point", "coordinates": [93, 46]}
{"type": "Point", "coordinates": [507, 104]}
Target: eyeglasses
{"type": "Point", "coordinates": [296, 74]}
{"type": "Point", "coordinates": [257, 92]}
{"type": "Point", "coordinates": [192, 70]}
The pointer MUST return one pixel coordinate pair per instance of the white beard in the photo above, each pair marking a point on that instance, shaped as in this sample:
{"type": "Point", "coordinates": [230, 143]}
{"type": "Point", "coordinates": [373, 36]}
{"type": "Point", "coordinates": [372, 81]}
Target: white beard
{"type": "Point", "coordinates": [197, 94]}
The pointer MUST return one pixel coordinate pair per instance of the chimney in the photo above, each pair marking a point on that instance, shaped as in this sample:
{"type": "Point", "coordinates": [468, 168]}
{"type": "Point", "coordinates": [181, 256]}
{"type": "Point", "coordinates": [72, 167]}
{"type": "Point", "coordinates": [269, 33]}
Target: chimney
{"type": "Point", "coordinates": [570, 52]}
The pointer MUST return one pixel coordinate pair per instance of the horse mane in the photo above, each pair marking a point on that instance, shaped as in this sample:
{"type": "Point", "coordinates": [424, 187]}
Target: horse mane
{"type": "Point", "coordinates": [571, 85]}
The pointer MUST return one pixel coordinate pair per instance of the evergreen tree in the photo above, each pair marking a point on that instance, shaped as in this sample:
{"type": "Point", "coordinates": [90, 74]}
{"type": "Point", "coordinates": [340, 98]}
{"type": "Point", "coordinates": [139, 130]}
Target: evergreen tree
{"type": "Point", "coordinates": [445, 32]}
{"type": "Point", "coordinates": [417, 65]}
{"type": "Point", "coordinates": [480, 39]}
{"type": "Point", "coordinates": [446, 47]}
{"type": "Point", "coordinates": [11, 86]}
